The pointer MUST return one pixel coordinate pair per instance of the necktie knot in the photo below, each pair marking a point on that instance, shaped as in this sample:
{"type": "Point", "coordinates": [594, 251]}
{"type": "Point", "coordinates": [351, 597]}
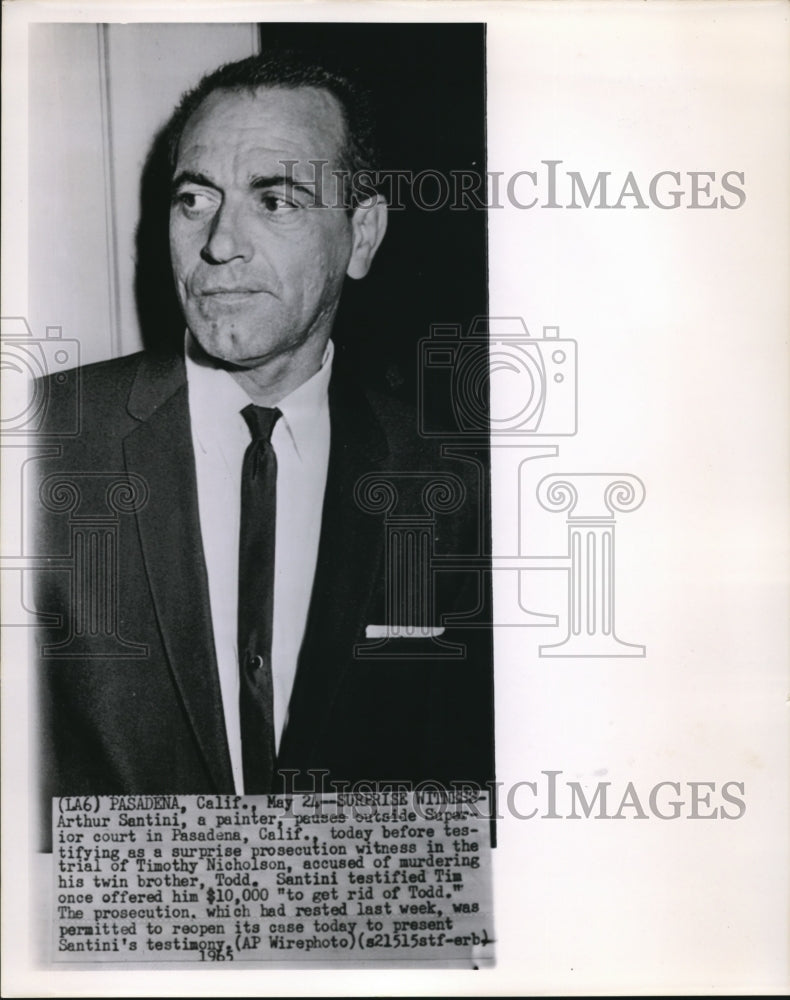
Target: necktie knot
{"type": "Point", "coordinates": [261, 421]}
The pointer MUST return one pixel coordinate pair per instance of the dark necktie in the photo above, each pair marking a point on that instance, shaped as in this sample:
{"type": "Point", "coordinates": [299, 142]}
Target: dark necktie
{"type": "Point", "coordinates": [256, 600]}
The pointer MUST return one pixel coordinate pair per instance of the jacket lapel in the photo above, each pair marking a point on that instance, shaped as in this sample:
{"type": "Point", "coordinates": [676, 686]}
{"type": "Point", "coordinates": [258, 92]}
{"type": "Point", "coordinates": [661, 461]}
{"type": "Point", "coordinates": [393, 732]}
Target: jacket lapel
{"type": "Point", "coordinates": [349, 566]}
{"type": "Point", "coordinates": [160, 450]}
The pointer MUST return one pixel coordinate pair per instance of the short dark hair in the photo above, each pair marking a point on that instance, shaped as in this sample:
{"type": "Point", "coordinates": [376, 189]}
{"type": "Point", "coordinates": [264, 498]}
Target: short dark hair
{"type": "Point", "coordinates": [289, 69]}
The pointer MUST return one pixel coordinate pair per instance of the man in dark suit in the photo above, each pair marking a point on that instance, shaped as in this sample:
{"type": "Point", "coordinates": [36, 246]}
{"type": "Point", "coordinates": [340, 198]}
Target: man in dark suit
{"type": "Point", "coordinates": [138, 514]}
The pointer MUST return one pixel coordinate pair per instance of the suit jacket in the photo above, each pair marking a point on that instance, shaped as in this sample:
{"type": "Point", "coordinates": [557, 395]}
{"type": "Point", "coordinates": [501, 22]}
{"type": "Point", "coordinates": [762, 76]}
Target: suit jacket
{"type": "Point", "coordinates": [129, 688]}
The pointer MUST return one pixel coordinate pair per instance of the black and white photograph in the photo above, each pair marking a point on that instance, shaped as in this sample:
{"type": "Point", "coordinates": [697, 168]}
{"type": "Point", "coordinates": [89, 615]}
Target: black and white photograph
{"type": "Point", "coordinates": [394, 456]}
{"type": "Point", "coordinates": [195, 651]}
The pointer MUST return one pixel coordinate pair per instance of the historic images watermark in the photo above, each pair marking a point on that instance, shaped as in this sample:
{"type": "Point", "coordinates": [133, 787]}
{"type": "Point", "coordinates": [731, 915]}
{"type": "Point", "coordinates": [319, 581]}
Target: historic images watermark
{"type": "Point", "coordinates": [548, 795]}
{"type": "Point", "coordinates": [550, 185]}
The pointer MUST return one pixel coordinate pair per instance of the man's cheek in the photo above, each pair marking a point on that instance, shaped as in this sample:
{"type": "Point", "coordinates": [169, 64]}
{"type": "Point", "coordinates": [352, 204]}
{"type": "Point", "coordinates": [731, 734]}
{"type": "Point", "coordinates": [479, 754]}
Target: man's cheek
{"type": "Point", "coordinates": [181, 289]}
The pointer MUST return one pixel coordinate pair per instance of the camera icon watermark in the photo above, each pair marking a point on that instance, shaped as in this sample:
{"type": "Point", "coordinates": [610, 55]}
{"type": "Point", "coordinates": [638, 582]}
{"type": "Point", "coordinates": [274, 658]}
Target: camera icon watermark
{"type": "Point", "coordinates": [493, 396]}
{"type": "Point", "coordinates": [497, 379]}
{"type": "Point", "coordinates": [42, 412]}
{"type": "Point", "coordinates": [26, 361]}
{"type": "Point", "coordinates": [32, 370]}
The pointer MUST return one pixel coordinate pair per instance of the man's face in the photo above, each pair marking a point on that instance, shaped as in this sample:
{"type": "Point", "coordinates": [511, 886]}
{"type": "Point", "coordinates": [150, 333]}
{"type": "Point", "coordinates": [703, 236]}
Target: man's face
{"type": "Point", "coordinates": [259, 268]}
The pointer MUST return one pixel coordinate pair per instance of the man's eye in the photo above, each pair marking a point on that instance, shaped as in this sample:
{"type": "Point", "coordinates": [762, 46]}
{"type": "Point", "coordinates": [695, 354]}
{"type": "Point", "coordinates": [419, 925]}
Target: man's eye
{"type": "Point", "coordinates": [276, 204]}
{"type": "Point", "coordinates": [194, 201]}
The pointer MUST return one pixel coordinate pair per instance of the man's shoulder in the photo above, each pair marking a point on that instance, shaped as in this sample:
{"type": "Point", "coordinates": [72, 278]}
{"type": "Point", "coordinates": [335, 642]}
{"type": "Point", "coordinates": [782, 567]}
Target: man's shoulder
{"type": "Point", "coordinates": [399, 421]}
{"type": "Point", "coordinates": [422, 453]}
{"type": "Point", "coordinates": [97, 374]}
{"type": "Point", "coordinates": [94, 395]}
{"type": "Point", "coordinates": [102, 380]}
{"type": "Point", "coordinates": [398, 415]}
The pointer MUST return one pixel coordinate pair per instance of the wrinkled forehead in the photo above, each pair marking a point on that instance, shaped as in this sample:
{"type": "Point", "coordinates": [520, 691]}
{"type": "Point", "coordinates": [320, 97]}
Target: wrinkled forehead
{"type": "Point", "coordinates": [301, 123]}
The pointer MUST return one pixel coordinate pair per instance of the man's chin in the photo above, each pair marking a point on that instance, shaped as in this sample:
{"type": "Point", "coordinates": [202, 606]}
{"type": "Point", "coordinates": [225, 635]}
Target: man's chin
{"type": "Point", "coordinates": [230, 348]}
{"type": "Point", "coordinates": [234, 351]}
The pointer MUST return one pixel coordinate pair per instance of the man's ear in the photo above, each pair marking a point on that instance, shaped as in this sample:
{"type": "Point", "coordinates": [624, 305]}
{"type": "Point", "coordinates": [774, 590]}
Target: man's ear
{"type": "Point", "coordinates": [369, 223]}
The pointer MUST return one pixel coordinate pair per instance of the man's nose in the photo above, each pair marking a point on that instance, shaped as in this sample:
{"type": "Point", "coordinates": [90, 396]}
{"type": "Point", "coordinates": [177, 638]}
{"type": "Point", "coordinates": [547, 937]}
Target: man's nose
{"type": "Point", "coordinates": [228, 238]}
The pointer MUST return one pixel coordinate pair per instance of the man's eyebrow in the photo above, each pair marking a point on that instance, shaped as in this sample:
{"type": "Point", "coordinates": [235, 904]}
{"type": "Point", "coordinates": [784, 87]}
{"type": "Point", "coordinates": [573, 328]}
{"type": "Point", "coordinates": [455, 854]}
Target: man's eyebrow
{"type": "Point", "coordinates": [279, 180]}
{"type": "Point", "coordinates": [192, 177]}
{"type": "Point", "coordinates": [257, 183]}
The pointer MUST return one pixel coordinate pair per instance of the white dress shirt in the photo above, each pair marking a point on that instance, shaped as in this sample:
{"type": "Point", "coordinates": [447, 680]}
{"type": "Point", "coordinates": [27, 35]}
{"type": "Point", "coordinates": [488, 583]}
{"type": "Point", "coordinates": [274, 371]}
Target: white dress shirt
{"type": "Point", "coordinates": [300, 440]}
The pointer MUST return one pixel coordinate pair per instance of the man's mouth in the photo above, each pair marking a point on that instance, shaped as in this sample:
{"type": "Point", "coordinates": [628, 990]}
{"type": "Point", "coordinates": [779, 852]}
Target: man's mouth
{"type": "Point", "coordinates": [229, 295]}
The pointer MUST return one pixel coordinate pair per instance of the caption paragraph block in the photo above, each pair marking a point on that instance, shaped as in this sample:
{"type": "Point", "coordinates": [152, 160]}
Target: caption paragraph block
{"type": "Point", "coordinates": [388, 876]}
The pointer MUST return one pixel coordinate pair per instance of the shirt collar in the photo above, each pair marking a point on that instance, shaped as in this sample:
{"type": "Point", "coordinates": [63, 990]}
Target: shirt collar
{"type": "Point", "coordinates": [307, 404]}
{"type": "Point", "coordinates": [219, 397]}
